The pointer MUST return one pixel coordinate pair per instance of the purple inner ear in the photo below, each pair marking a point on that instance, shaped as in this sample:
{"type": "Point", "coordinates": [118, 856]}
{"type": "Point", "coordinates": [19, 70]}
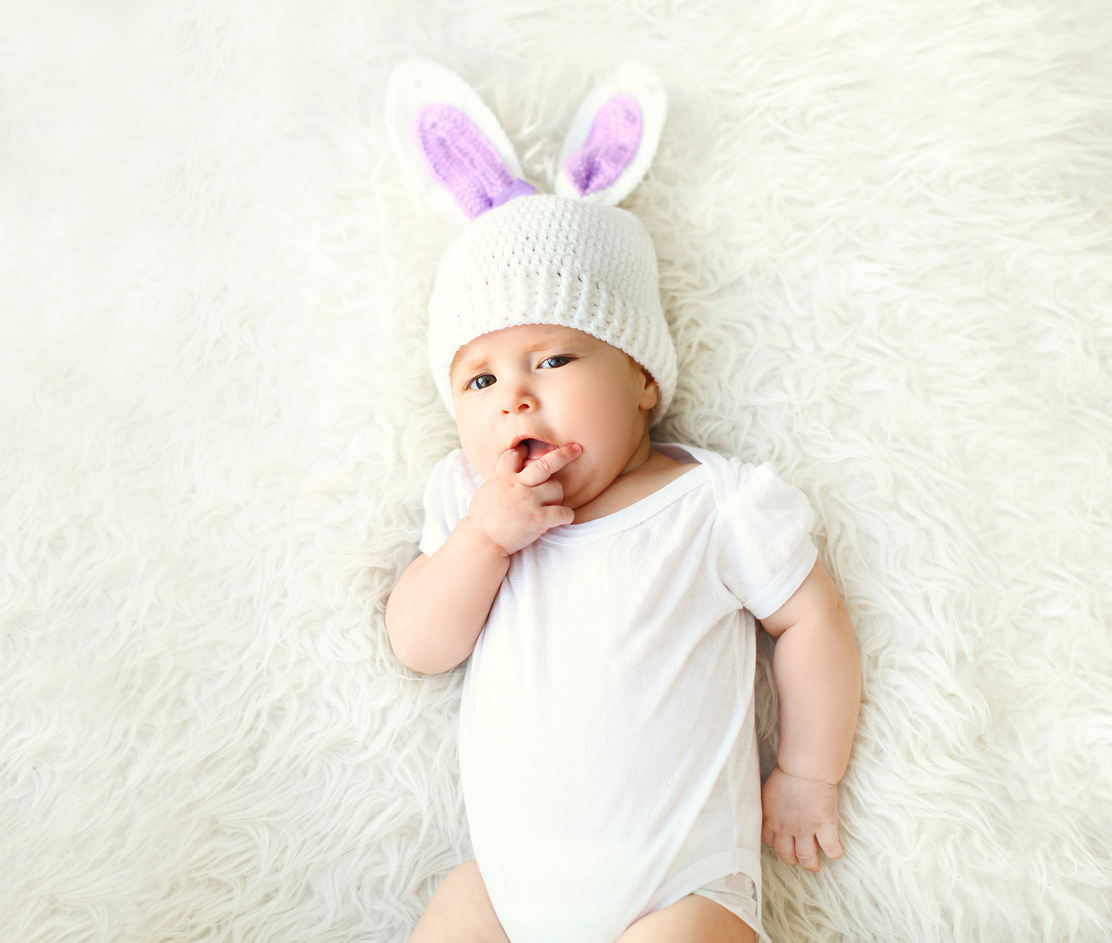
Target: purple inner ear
{"type": "Point", "coordinates": [611, 144]}
{"type": "Point", "coordinates": [464, 161]}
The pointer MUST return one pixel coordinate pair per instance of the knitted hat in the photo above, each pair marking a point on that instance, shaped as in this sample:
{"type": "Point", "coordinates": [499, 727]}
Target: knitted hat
{"type": "Point", "coordinates": [573, 259]}
{"type": "Point", "coordinates": [552, 260]}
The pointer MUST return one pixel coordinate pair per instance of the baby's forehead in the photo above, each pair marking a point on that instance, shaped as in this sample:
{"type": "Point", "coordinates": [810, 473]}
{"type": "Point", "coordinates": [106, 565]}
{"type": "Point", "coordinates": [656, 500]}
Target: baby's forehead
{"type": "Point", "coordinates": [523, 338]}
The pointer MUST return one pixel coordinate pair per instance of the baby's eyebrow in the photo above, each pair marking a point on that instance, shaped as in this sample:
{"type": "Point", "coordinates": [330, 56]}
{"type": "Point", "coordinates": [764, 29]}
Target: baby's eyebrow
{"type": "Point", "coordinates": [468, 366]}
{"type": "Point", "coordinates": [549, 343]}
{"type": "Point", "coordinates": [558, 343]}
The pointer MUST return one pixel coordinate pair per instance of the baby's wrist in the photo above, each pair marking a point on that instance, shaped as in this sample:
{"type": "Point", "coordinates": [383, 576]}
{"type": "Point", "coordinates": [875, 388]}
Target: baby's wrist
{"type": "Point", "coordinates": [811, 776]}
{"type": "Point", "coordinates": [480, 541]}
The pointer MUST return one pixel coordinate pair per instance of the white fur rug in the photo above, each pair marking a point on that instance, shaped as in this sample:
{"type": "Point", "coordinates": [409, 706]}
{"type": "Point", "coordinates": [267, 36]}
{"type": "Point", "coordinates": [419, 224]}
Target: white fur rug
{"type": "Point", "coordinates": [885, 233]}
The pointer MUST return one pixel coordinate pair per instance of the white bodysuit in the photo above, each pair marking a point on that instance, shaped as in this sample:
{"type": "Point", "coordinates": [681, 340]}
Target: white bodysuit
{"type": "Point", "coordinates": [607, 745]}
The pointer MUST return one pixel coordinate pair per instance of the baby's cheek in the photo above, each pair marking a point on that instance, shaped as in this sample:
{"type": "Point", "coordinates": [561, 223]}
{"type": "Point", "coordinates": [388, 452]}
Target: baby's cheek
{"type": "Point", "coordinates": [474, 452]}
{"type": "Point", "coordinates": [482, 462]}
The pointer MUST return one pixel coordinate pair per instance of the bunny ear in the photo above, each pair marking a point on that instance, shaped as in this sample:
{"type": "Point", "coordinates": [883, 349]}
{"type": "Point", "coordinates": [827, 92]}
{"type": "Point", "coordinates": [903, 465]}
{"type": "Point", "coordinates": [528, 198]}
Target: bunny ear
{"type": "Point", "coordinates": [451, 145]}
{"type": "Point", "coordinates": [613, 137]}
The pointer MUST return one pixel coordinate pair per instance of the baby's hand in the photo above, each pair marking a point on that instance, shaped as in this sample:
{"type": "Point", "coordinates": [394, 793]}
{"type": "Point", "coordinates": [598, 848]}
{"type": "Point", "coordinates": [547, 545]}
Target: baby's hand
{"type": "Point", "coordinates": [516, 505]}
{"type": "Point", "coordinates": [799, 816]}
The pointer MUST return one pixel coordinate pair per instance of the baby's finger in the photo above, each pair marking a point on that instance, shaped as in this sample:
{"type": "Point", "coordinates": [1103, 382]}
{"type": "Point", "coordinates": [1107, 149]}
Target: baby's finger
{"type": "Point", "coordinates": [547, 465]}
{"type": "Point", "coordinates": [556, 515]}
{"type": "Point", "coordinates": [509, 462]}
{"type": "Point", "coordinates": [549, 492]}
{"type": "Point", "coordinates": [828, 838]}
{"type": "Point", "coordinates": [785, 848]}
{"type": "Point", "coordinates": [807, 851]}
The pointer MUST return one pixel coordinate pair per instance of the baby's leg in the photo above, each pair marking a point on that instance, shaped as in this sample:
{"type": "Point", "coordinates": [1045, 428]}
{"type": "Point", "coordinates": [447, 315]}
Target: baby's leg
{"type": "Point", "coordinates": [692, 919]}
{"type": "Point", "coordinates": [460, 912]}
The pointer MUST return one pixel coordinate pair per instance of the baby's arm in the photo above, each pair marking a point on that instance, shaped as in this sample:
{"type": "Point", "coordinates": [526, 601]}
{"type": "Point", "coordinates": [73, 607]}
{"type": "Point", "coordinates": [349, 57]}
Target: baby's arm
{"type": "Point", "coordinates": [818, 677]}
{"type": "Point", "coordinates": [440, 603]}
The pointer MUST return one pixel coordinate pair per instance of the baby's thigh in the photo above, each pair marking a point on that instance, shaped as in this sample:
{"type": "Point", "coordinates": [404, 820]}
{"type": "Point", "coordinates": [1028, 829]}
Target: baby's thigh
{"type": "Point", "coordinates": [692, 919]}
{"type": "Point", "coordinates": [460, 911]}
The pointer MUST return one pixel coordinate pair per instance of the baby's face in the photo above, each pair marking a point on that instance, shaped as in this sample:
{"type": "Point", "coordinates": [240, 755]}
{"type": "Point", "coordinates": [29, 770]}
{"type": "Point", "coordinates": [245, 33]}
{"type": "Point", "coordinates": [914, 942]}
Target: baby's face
{"type": "Point", "coordinates": [537, 387]}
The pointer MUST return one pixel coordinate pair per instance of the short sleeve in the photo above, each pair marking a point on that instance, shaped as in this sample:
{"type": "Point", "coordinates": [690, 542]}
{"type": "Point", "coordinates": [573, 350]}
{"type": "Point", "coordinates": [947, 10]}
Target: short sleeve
{"type": "Point", "coordinates": [448, 494]}
{"type": "Point", "coordinates": [765, 549]}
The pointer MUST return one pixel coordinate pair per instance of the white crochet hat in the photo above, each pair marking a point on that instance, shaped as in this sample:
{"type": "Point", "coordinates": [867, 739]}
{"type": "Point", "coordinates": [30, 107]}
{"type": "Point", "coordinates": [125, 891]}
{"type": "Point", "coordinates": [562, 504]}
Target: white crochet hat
{"type": "Point", "coordinates": [573, 259]}
{"type": "Point", "coordinates": [553, 260]}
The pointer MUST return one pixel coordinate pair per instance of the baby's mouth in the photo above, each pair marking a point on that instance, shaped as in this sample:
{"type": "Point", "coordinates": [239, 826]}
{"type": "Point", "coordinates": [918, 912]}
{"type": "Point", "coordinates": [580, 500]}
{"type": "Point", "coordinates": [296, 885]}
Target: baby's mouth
{"type": "Point", "coordinates": [535, 449]}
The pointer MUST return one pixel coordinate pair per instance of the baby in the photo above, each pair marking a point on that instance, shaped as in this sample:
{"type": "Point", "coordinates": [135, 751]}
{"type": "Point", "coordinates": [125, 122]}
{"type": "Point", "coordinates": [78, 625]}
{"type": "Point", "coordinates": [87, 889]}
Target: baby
{"type": "Point", "coordinates": [606, 589]}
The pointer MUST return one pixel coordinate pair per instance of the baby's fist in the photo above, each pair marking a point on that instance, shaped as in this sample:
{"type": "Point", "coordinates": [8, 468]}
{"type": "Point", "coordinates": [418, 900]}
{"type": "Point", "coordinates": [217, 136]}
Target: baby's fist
{"type": "Point", "coordinates": [800, 816]}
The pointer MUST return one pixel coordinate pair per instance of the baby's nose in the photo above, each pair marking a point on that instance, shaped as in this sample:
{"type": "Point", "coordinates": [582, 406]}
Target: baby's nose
{"type": "Point", "coordinates": [518, 400]}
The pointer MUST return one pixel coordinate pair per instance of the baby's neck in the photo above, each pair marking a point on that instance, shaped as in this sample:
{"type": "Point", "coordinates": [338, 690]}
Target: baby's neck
{"type": "Point", "coordinates": [637, 482]}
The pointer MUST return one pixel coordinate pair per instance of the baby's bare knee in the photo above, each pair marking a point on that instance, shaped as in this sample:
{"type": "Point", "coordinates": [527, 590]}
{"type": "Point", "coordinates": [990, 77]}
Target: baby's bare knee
{"type": "Point", "coordinates": [460, 911]}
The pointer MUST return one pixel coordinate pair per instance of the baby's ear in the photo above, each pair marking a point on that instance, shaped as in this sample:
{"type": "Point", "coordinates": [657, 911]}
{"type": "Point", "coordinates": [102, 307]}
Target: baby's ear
{"type": "Point", "coordinates": [452, 147]}
{"type": "Point", "coordinates": [650, 394]}
{"type": "Point", "coordinates": [613, 137]}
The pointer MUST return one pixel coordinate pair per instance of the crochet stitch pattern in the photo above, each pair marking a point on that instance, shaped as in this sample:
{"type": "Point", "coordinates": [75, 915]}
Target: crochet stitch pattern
{"type": "Point", "coordinates": [461, 158]}
{"type": "Point", "coordinates": [610, 145]}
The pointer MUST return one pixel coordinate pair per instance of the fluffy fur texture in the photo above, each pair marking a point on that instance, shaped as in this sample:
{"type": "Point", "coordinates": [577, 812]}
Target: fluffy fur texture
{"type": "Point", "coordinates": [884, 240]}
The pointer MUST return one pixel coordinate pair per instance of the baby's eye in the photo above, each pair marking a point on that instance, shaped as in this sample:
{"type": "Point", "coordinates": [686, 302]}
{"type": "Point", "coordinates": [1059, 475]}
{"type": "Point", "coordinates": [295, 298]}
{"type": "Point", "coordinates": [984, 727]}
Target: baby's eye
{"type": "Point", "coordinates": [481, 382]}
{"type": "Point", "coordinates": [558, 361]}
